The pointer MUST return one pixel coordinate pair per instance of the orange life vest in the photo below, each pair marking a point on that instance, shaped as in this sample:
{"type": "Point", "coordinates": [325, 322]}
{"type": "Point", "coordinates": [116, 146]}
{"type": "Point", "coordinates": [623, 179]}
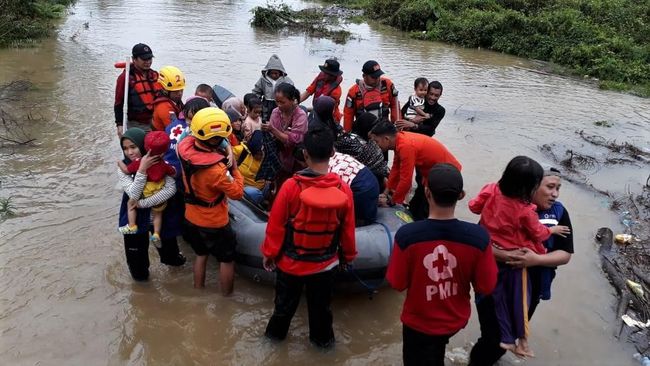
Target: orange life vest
{"type": "Point", "coordinates": [323, 88]}
{"type": "Point", "coordinates": [143, 89]}
{"type": "Point", "coordinates": [313, 233]}
{"type": "Point", "coordinates": [192, 160]}
{"type": "Point", "coordinates": [375, 101]}
{"type": "Point", "coordinates": [176, 107]}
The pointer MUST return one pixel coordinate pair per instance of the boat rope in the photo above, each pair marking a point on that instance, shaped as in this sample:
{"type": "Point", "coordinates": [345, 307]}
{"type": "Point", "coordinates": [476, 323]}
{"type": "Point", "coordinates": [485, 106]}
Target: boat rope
{"type": "Point", "coordinates": [390, 240]}
{"type": "Point", "coordinates": [373, 289]}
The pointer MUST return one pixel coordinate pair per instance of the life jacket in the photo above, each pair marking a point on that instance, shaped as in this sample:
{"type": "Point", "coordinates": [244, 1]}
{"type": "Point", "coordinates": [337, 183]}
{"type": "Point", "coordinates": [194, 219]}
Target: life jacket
{"type": "Point", "coordinates": [143, 90]}
{"type": "Point", "coordinates": [375, 101]}
{"type": "Point", "coordinates": [323, 88]}
{"type": "Point", "coordinates": [193, 160]}
{"type": "Point", "coordinates": [313, 233]}
{"type": "Point", "coordinates": [177, 107]}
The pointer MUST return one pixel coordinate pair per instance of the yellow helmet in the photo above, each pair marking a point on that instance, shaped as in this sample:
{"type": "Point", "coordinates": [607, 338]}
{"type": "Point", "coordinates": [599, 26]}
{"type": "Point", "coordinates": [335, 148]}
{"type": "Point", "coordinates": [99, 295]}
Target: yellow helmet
{"type": "Point", "coordinates": [171, 78]}
{"type": "Point", "coordinates": [210, 122]}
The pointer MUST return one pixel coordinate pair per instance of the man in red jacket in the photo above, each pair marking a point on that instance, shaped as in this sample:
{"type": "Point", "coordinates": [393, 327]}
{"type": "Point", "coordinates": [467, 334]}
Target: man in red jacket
{"type": "Point", "coordinates": [309, 233]}
{"type": "Point", "coordinates": [143, 89]}
{"type": "Point", "coordinates": [412, 150]}
{"type": "Point", "coordinates": [436, 260]}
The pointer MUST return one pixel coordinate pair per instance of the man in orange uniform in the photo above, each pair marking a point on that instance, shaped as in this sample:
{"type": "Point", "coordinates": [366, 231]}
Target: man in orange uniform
{"type": "Point", "coordinates": [208, 181]}
{"type": "Point", "coordinates": [169, 99]}
{"type": "Point", "coordinates": [143, 89]}
{"type": "Point", "coordinates": [374, 94]}
{"type": "Point", "coordinates": [310, 231]}
{"type": "Point", "coordinates": [412, 150]}
{"type": "Point", "coordinates": [328, 82]}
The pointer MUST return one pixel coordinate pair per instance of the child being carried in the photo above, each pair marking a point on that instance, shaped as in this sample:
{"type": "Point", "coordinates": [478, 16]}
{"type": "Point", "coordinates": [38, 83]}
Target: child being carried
{"type": "Point", "coordinates": [155, 143]}
{"type": "Point", "coordinates": [415, 104]}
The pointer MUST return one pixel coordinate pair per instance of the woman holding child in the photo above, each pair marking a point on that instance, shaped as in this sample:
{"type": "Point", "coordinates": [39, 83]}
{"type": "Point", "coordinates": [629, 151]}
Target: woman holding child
{"type": "Point", "coordinates": [136, 244]}
{"type": "Point", "coordinates": [288, 125]}
{"type": "Point", "coordinates": [541, 267]}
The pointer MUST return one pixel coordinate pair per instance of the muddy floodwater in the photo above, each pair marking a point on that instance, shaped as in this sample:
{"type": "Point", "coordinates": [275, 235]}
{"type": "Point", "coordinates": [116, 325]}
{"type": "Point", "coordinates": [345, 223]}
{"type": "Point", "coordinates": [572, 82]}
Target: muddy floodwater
{"type": "Point", "coordinates": [66, 297]}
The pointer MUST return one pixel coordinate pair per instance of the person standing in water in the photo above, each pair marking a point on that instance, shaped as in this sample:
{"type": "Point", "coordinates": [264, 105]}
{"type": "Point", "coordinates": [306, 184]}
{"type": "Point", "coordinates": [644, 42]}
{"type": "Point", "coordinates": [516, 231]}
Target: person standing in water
{"type": "Point", "coordinates": [143, 89]}
{"type": "Point", "coordinates": [169, 103]}
{"type": "Point", "coordinates": [136, 246]}
{"type": "Point", "coordinates": [541, 268]}
{"type": "Point", "coordinates": [310, 232]}
{"type": "Point", "coordinates": [412, 151]}
{"type": "Point", "coordinates": [375, 94]}
{"type": "Point", "coordinates": [208, 182]}
{"type": "Point", "coordinates": [327, 83]}
{"type": "Point", "coordinates": [508, 215]}
{"type": "Point", "coordinates": [437, 260]}
{"type": "Point", "coordinates": [426, 125]}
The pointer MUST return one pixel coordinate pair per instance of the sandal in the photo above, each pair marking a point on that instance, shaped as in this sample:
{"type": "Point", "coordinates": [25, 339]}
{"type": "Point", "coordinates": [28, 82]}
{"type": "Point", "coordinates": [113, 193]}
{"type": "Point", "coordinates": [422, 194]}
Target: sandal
{"type": "Point", "coordinates": [128, 229]}
{"type": "Point", "coordinates": [154, 239]}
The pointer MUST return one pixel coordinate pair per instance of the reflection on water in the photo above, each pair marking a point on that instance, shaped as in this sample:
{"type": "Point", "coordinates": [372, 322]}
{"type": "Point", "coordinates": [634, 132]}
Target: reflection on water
{"type": "Point", "coordinates": [66, 296]}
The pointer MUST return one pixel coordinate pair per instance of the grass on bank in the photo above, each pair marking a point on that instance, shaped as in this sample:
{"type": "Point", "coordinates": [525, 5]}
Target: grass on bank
{"type": "Point", "coordinates": [22, 22]}
{"type": "Point", "coordinates": [604, 39]}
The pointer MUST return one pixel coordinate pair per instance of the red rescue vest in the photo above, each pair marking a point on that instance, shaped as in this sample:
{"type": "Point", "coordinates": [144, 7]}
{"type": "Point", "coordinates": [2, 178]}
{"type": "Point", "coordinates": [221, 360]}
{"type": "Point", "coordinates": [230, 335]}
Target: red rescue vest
{"type": "Point", "coordinates": [143, 89]}
{"type": "Point", "coordinates": [313, 233]}
{"type": "Point", "coordinates": [323, 88]}
{"type": "Point", "coordinates": [375, 101]}
{"type": "Point", "coordinates": [192, 160]}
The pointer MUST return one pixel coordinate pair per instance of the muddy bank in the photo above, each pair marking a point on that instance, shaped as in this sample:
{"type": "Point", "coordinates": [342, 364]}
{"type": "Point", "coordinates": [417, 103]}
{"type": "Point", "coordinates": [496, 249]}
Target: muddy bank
{"type": "Point", "coordinates": [625, 254]}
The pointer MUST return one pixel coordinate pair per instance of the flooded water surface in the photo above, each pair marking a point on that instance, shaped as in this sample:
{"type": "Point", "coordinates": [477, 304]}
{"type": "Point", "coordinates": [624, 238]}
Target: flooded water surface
{"type": "Point", "coordinates": [65, 293]}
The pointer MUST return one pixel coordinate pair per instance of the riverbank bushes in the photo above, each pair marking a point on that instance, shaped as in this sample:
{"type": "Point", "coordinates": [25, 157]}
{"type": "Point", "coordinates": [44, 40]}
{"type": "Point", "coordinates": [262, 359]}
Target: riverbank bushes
{"type": "Point", "coordinates": [24, 21]}
{"type": "Point", "coordinates": [604, 39]}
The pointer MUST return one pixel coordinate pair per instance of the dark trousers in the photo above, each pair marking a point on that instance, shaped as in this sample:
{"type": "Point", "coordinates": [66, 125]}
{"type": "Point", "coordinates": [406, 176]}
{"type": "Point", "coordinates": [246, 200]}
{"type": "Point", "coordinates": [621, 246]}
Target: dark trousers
{"type": "Point", "coordinates": [136, 248]}
{"type": "Point", "coordinates": [486, 351]}
{"type": "Point", "coordinates": [423, 349]}
{"type": "Point", "coordinates": [418, 206]}
{"type": "Point", "coordinates": [288, 289]}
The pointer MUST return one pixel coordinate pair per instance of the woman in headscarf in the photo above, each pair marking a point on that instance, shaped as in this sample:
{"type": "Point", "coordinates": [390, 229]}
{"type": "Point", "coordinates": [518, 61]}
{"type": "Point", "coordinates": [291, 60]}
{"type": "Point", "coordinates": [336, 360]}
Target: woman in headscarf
{"type": "Point", "coordinates": [136, 246]}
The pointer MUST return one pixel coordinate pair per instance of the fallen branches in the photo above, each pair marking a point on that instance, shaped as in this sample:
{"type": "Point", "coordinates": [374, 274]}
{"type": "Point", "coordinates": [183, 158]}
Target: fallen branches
{"type": "Point", "coordinates": [316, 22]}
{"type": "Point", "coordinates": [12, 132]}
{"type": "Point", "coordinates": [625, 148]}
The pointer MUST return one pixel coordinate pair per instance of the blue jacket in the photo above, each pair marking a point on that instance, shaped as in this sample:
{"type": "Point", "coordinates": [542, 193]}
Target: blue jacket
{"type": "Point", "coordinates": [550, 217]}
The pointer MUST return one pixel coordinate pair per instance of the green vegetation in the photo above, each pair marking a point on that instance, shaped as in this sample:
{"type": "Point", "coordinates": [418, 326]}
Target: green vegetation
{"type": "Point", "coordinates": [24, 21]}
{"type": "Point", "coordinates": [314, 21]}
{"type": "Point", "coordinates": [603, 123]}
{"type": "Point", "coordinates": [6, 208]}
{"type": "Point", "coordinates": [604, 39]}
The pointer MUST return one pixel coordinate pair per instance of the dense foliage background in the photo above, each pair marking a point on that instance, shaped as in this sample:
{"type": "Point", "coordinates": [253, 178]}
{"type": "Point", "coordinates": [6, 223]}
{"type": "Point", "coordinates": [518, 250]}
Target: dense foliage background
{"type": "Point", "coordinates": [23, 21]}
{"type": "Point", "coordinates": [604, 39]}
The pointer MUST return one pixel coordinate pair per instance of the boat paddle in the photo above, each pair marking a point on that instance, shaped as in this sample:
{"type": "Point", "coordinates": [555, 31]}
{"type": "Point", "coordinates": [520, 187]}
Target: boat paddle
{"type": "Point", "coordinates": [127, 66]}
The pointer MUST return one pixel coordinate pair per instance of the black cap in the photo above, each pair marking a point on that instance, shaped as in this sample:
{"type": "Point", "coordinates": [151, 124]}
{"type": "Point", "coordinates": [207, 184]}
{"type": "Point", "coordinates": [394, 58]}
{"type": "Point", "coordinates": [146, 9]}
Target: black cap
{"type": "Point", "coordinates": [372, 69]}
{"type": "Point", "coordinates": [445, 179]}
{"type": "Point", "coordinates": [331, 67]}
{"type": "Point", "coordinates": [142, 51]}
